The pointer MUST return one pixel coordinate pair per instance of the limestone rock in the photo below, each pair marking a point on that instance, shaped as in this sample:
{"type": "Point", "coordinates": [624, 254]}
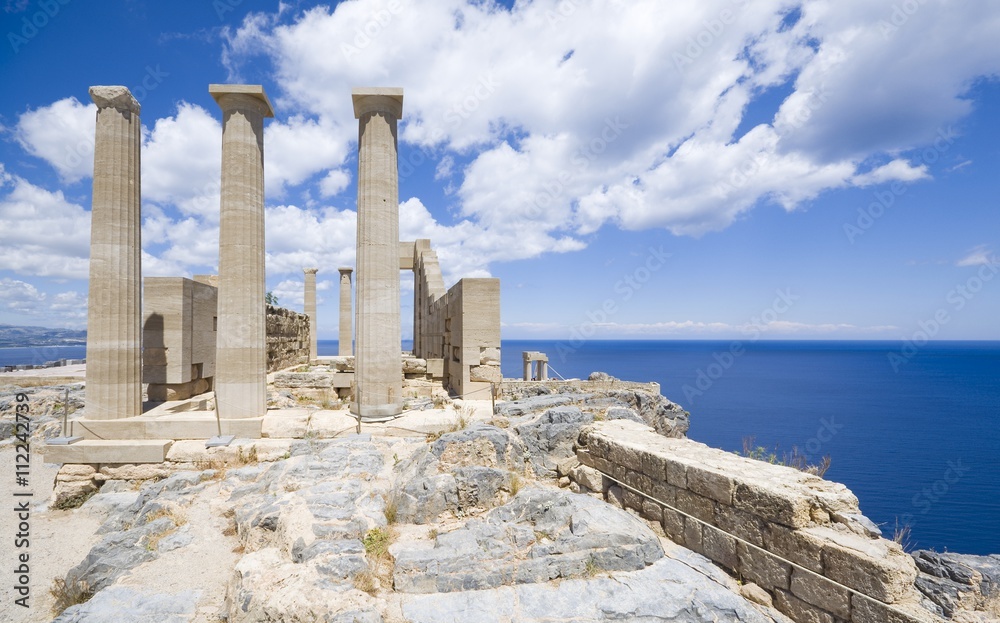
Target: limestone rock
{"type": "Point", "coordinates": [489, 356]}
{"type": "Point", "coordinates": [485, 374]}
{"type": "Point", "coordinates": [550, 437]}
{"type": "Point", "coordinates": [125, 603]}
{"type": "Point", "coordinates": [536, 404]}
{"type": "Point", "coordinates": [540, 535]}
{"type": "Point", "coordinates": [956, 583]}
{"type": "Point", "coordinates": [413, 365]}
{"type": "Point", "coordinates": [668, 591]}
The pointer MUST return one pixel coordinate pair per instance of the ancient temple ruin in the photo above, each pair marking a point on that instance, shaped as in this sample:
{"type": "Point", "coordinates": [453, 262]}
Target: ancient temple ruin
{"type": "Point", "coordinates": [213, 336]}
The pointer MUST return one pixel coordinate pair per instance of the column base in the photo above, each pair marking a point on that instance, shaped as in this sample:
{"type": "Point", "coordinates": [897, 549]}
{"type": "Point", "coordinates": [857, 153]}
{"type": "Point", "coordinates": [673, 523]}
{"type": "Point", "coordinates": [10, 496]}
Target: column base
{"type": "Point", "coordinates": [376, 413]}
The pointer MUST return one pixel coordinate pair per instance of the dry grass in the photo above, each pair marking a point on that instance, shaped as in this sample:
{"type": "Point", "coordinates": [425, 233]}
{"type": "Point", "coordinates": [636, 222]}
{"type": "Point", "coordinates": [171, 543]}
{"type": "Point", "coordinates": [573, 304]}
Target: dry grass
{"type": "Point", "coordinates": [793, 459]}
{"type": "Point", "coordinates": [65, 595]}
{"type": "Point", "coordinates": [391, 510]}
{"type": "Point", "coordinates": [591, 569]}
{"type": "Point", "coordinates": [380, 562]}
{"type": "Point", "coordinates": [516, 483]}
{"type": "Point", "coordinates": [174, 514]}
{"type": "Point", "coordinates": [901, 536]}
{"type": "Point", "coordinates": [74, 501]}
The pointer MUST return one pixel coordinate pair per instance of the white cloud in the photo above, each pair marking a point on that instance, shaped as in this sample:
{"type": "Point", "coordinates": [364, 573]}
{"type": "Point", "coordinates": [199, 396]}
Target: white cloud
{"type": "Point", "coordinates": [52, 234]}
{"type": "Point", "coordinates": [19, 295]}
{"type": "Point", "coordinates": [630, 113]}
{"type": "Point", "coordinates": [62, 134]}
{"type": "Point", "coordinates": [979, 256]}
{"type": "Point", "coordinates": [334, 182]}
{"type": "Point", "coordinates": [182, 162]}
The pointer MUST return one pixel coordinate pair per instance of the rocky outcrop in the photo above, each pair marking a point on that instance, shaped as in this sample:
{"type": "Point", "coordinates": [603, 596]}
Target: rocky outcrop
{"type": "Point", "coordinates": [463, 472]}
{"type": "Point", "coordinates": [540, 535]}
{"type": "Point", "coordinates": [958, 586]}
{"type": "Point", "coordinates": [603, 398]}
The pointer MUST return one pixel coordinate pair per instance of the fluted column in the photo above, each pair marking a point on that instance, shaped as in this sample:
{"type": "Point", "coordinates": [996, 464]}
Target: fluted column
{"type": "Point", "coordinates": [241, 351]}
{"type": "Point", "coordinates": [310, 305]}
{"type": "Point", "coordinates": [114, 318]}
{"type": "Point", "coordinates": [344, 347]}
{"type": "Point", "coordinates": [378, 365]}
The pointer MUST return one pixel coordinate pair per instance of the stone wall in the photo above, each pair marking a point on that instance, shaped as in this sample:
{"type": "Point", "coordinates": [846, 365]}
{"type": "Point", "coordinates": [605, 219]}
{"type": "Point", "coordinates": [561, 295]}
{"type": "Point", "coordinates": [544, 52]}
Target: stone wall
{"type": "Point", "coordinates": [801, 538]}
{"type": "Point", "coordinates": [287, 338]}
{"type": "Point", "coordinates": [178, 335]}
{"type": "Point", "coordinates": [456, 331]}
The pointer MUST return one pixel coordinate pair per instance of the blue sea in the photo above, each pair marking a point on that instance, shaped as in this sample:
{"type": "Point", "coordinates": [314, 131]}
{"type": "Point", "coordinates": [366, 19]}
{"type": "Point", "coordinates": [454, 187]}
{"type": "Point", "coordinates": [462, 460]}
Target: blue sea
{"type": "Point", "coordinates": [918, 442]}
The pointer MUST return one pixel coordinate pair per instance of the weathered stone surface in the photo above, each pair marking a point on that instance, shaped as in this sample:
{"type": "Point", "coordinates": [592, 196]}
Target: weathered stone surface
{"type": "Point", "coordinates": [535, 404]}
{"type": "Point", "coordinates": [485, 374]}
{"type": "Point", "coordinates": [126, 603]}
{"type": "Point", "coordinates": [821, 593]}
{"type": "Point", "coordinates": [412, 365]}
{"type": "Point", "coordinates": [668, 591]}
{"type": "Point", "coordinates": [877, 568]}
{"type": "Point", "coordinates": [588, 477]}
{"type": "Point", "coordinates": [311, 380]}
{"type": "Point", "coordinates": [539, 535]}
{"type": "Point", "coordinates": [550, 437]}
{"type": "Point", "coordinates": [799, 610]}
{"type": "Point", "coordinates": [954, 583]}
{"type": "Point", "coordinates": [763, 568]}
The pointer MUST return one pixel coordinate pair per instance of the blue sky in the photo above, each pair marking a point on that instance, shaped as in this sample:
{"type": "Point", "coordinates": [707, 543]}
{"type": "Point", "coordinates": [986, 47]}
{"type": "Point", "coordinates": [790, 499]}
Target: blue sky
{"type": "Point", "coordinates": [628, 169]}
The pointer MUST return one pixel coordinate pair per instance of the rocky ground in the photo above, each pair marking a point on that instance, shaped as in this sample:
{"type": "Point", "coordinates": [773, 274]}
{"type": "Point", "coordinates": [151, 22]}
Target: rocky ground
{"type": "Point", "coordinates": [478, 523]}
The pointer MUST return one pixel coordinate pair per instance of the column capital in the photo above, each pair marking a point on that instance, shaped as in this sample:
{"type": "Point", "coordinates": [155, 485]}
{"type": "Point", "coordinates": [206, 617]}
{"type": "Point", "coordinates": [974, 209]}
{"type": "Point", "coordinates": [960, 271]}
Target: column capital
{"type": "Point", "coordinates": [117, 97]}
{"type": "Point", "coordinates": [233, 96]}
{"type": "Point", "coordinates": [345, 270]}
{"type": "Point", "coordinates": [310, 271]}
{"type": "Point", "coordinates": [377, 99]}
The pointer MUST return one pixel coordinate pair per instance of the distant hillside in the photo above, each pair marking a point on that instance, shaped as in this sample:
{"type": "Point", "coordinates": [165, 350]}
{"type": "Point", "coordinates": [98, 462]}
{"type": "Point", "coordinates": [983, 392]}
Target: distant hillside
{"type": "Point", "coordinates": [11, 336]}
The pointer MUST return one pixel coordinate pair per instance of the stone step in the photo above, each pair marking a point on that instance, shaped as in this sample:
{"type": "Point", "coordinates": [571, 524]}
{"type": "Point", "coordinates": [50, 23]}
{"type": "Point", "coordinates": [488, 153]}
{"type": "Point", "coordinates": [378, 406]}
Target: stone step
{"type": "Point", "coordinates": [95, 451]}
{"type": "Point", "coordinates": [184, 425]}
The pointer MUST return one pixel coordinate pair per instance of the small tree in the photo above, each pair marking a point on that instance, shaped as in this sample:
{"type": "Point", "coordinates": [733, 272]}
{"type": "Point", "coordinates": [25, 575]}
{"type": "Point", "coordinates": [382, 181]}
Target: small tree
{"type": "Point", "coordinates": [270, 299]}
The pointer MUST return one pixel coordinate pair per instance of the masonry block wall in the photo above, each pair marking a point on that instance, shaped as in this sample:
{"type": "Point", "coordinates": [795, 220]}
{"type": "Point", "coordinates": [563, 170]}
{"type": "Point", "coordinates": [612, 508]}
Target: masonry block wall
{"type": "Point", "coordinates": [179, 327]}
{"type": "Point", "coordinates": [456, 331]}
{"type": "Point", "coordinates": [287, 338]}
{"type": "Point", "coordinates": [179, 337]}
{"type": "Point", "coordinates": [801, 538]}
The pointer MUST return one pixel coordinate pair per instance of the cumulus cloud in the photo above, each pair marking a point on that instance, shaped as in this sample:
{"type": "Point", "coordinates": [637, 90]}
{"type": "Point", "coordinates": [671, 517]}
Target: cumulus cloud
{"type": "Point", "coordinates": [571, 141]}
{"type": "Point", "coordinates": [53, 234]}
{"type": "Point", "coordinates": [62, 134]}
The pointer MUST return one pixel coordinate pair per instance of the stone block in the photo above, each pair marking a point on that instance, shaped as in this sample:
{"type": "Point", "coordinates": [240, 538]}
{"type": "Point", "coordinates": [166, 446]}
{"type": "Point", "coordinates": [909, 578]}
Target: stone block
{"type": "Point", "coordinates": [146, 471]}
{"type": "Point", "coordinates": [763, 568]}
{"type": "Point", "coordinates": [588, 477]}
{"type": "Point", "coordinates": [798, 610]}
{"type": "Point", "coordinates": [744, 525]}
{"type": "Point", "coordinates": [710, 484]}
{"type": "Point", "coordinates": [673, 525]}
{"type": "Point", "coordinates": [485, 374]}
{"type": "Point", "coordinates": [719, 547]}
{"type": "Point", "coordinates": [676, 474]}
{"type": "Point", "coordinates": [692, 535]}
{"type": "Point", "coordinates": [777, 504]}
{"type": "Point", "coordinates": [796, 545]}
{"type": "Point", "coordinates": [693, 504]}
{"type": "Point", "coordinates": [821, 593]}
{"type": "Point", "coordinates": [651, 510]}
{"type": "Point", "coordinates": [654, 465]}
{"type": "Point", "coordinates": [888, 576]}
{"type": "Point", "coordinates": [109, 451]}
{"type": "Point", "coordinates": [864, 610]}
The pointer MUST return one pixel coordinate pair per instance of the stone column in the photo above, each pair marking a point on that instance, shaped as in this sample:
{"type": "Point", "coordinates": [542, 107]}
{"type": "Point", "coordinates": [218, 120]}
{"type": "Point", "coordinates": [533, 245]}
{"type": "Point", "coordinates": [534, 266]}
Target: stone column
{"type": "Point", "coordinates": [378, 362]}
{"type": "Point", "coordinates": [241, 351]}
{"type": "Point", "coordinates": [114, 318]}
{"type": "Point", "coordinates": [310, 305]}
{"type": "Point", "coordinates": [345, 348]}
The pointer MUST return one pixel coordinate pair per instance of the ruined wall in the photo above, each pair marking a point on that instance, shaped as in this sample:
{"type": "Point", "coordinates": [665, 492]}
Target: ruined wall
{"type": "Point", "coordinates": [287, 338]}
{"type": "Point", "coordinates": [801, 538]}
{"type": "Point", "coordinates": [457, 331]}
{"type": "Point", "coordinates": [178, 333]}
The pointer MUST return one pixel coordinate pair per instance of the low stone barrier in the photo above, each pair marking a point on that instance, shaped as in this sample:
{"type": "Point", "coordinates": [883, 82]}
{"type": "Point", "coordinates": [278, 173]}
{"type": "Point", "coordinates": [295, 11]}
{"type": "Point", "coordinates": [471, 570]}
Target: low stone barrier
{"type": "Point", "coordinates": [801, 538]}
